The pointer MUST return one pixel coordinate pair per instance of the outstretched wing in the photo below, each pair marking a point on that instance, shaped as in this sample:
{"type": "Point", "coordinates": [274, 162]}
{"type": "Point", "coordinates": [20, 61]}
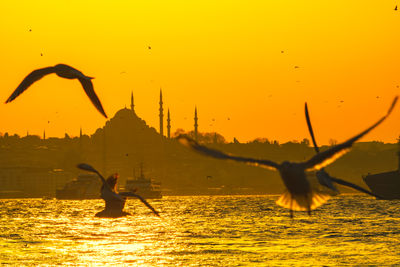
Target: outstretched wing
{"type": "Point", "coordinates": [326, 157]}
{"type": "Point", "coordinates": [89, 168]}
{"type": "Point", "coordinates": [29, 80]}
{"type": "Point", "coordinates": [188, 142]}
{"type": "Point", "coordinates": [310, 129]}
{"type": "Point", "coordinates": [131, 194]}
{"type": "Point", "coordinates": [354, 186]}
{"type": "Point", "coordinates": [89, 90]}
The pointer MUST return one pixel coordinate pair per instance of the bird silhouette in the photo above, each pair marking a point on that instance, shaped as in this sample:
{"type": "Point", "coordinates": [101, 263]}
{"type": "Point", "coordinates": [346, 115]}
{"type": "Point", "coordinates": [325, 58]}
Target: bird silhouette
{"type": "Point", "coordinates": [63, 71]}
{"type": "Point", "coordinates": [299, 195]}
{"type": "Point", "coordinates": [113, 199]}
{"type": "Point", "coordinates": [323, 177]}
{"type": "Point", "coordinates": [395, 8]}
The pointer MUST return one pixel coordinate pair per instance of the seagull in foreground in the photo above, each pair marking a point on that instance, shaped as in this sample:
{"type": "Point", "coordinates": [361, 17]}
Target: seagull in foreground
{"type": "Point", "coordinates": [299, 195]}
{"type": "Point", "coordinates": [323, 177]}
{"type": "Point", "coordinates": [115, 202]}
{"type": "Point", "coordinates": [63, 71]}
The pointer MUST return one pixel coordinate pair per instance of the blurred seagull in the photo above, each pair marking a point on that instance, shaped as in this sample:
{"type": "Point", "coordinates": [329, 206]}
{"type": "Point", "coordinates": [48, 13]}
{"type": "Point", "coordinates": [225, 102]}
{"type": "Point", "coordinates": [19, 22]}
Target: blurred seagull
{"type": "Point", "coordinates": [299, 195]}
{"type": "Point", "coordinates": [395, 8]}
{"type": "Point", "coordinates": [115, 201]}
{"type": "Point", "coordinates": [323, 177]}
{"type": "Point", "coordinates": [63, 71]}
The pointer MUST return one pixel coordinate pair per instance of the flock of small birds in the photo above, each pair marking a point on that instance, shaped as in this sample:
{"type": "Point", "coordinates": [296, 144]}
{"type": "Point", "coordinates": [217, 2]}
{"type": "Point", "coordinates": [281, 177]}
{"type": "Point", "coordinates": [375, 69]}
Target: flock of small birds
{"type": "Point", "coordinates": [299, 195]}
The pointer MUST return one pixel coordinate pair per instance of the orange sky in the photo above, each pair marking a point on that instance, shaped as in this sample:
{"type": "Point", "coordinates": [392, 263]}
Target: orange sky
{"type": "Point", "coordinates": [223, 56]}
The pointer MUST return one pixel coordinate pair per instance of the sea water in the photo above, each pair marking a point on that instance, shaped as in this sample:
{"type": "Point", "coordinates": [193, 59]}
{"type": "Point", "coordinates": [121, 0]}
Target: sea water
{"type": "Point", "coordinates": [201, 231]}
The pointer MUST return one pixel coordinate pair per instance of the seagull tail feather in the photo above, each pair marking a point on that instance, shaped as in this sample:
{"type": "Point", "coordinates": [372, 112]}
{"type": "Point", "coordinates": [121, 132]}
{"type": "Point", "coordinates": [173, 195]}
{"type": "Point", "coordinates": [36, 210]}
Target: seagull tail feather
{"type": "Point", "coordinates": [302, 202]}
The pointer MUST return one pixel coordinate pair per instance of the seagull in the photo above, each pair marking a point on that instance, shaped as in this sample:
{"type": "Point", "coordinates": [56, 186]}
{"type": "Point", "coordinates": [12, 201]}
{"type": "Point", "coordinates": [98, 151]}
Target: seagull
{"type": "Point", "coordinates": [395, 8]}
{"type": "Point", "coordinates": [115, 202]}
{"type": "Point", "coordinates": [323, 177]}
{"type": "Point", "coordinates": [63, 71]}
{"type": "Point", "coordinates": [299, 195]}
{"type": "Point", "coordinates": [296, 67]}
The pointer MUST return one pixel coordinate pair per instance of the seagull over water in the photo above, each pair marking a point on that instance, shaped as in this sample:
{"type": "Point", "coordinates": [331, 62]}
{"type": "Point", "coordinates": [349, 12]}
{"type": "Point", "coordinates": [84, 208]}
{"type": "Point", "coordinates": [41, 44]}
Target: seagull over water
{"type": "Point", "coordinates": [63, 71]}
{"type": "Point", "coordinates": [115, 201]}
{"type": "Point", "coordinates": [323, 177]}
{"type": "Point", "coordinates": [299, 195]}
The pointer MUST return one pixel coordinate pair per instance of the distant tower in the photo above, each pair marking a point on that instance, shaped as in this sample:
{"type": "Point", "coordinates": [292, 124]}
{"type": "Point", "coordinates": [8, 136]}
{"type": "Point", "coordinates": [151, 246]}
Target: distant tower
{"type": "Point", "coordinates": [44, 134]}
{"type": "Point", "coordinates": [80, 141]}
{"type": "Point", "coordinates": [195, 123]}
{"type": "Point", "coordinates": [398, 153]}
{"type": "Point", "coordinates": [27, 133]}
{"type": "Point", "coordinates": [168, 125]}
{"type": "Point", "coordinates": [132, 104]}
{"type": "Point", "coordinates": [161, 115]}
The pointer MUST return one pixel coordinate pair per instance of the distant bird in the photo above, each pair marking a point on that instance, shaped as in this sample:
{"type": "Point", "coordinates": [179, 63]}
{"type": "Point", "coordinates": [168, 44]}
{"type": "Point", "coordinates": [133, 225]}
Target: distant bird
{"type": "Point", "coordinates": [282, 51]}
{"type": "Point", "coordinates": [377, 97]}
{"type": "Point", "coordinates": [122, 72]}
{"type": "Point", "coordinates": [30, 30]}
{"type": "Point", "coordinates": [341, 101]}
{"type": "Point", "coordinates": [115, 201]}
{"type": "Point", "coordinates": [63, 71]}
{"type": "Point", "coordinates": [395, 8]}
{"type": "Point", "coordinates": [41, 54]}
{"type": "Point", "coordinates": [296, 67]}
{"type": "Point", "coordinates": [299, 196]}
{"type": "Point", "coordinates": [149, 47]}
{"type": "Point", "coordinates": [323, 177]}
{"type": "Point", "coordinates": [229, 119]}
{"type": "Point", "coordinates": [213, 119]}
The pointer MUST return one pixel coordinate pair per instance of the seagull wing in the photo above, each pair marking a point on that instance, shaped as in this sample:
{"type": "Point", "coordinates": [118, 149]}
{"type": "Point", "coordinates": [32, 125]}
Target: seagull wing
{"type": "Point", "coordinates": [89, 90]}
{"type": "Point", "coordinates": [131, 194]}
{"type": "Point", "coordinates": [29, 80]}
{"type": "Point", "coordinates": [354, 186]}
{"type": "Point", "coordinates": [188, 142]}
{"type": "Point", "coordinates": [310, 129]}
{"type": "Point", "coordinates": [326, 157]}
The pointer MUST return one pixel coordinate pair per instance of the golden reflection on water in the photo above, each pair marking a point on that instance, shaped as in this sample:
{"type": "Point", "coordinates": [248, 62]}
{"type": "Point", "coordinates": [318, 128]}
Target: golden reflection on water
{"type": "Point", "coordinates": [198, 231]}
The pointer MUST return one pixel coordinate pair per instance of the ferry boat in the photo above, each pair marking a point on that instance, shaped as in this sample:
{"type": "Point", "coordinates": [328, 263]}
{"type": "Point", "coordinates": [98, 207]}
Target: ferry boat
{"type": "Point", "coordinates": [145, 187]}
{"type": "Point", "coordinates": [385, 184]}
{"type": "Point", "coordinates": [85, 186]}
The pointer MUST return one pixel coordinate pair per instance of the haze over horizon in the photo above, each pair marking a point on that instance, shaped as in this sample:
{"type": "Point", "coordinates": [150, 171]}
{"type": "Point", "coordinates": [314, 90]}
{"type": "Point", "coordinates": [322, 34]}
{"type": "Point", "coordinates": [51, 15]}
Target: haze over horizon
{"type": "Point", "coordinates": [255, 63]}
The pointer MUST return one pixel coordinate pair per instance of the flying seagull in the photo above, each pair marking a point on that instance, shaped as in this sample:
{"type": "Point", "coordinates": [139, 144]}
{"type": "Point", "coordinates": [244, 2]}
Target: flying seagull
{"type": "Point", "coordinates": [323, 177]}
{"type": "Point", "coordinates": [63, 71]}
{"type": "Point", "coordinates": [113, 198]}
{"type": "Point", "coordinates": [299, 196]}
{"type": "Point", "coordinates": [395, 8]}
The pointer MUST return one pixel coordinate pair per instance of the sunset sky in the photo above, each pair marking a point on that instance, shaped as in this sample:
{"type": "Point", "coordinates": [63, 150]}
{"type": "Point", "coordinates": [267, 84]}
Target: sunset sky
{"type": "Point", "coordinates": [232, 59]}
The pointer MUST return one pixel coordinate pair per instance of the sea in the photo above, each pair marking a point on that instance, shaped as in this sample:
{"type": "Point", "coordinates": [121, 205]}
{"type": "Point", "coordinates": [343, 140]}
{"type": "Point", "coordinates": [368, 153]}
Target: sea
{"type": "Point", "coordinates": [352, 230]}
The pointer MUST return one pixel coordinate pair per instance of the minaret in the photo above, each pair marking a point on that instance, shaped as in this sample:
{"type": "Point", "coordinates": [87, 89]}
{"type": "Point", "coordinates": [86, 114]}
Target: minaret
{"type": "Point", "coordinates": [44, 134]}
{"type": "Point", "coordinates": [195, 123]}
{"type": "Point", "coordinates": [161, 115]}
{"type": "Point", "coordinates": [168, 125]}
{"type": "Point", "coordinates": [398, 153]}
{"type": "Point", "coordinates": [132, 104]}
{"type": "Point", "coordinates": [80, 133]}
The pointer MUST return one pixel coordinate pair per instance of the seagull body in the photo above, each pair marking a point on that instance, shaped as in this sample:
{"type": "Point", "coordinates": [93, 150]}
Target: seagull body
{"type": "Point", "coordinates": [63, 71]}
{"type": "Point", "coordinates": [299, 194]}
{"type": "Point", "coordinates": [115, 202]}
